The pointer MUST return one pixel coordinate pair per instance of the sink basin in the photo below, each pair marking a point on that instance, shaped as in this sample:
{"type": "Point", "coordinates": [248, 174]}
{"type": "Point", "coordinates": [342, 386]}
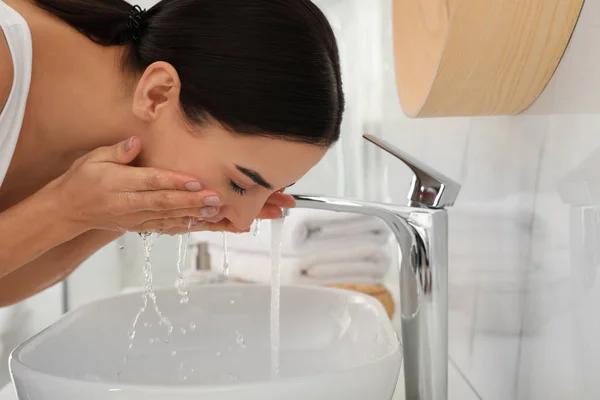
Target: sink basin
{"type": "Point", "coordinates": [335, 344]}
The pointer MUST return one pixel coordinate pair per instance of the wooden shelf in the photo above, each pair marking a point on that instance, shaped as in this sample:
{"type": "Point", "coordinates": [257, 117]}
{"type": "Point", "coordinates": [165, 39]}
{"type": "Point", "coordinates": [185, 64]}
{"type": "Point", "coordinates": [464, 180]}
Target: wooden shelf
{"type": "Point", "coordinates": [478, 57]}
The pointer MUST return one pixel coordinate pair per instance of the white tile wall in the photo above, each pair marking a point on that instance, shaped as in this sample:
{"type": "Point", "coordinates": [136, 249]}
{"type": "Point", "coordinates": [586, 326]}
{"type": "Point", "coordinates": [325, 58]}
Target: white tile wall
{"type": "Point", "coordinates": [523, 320]}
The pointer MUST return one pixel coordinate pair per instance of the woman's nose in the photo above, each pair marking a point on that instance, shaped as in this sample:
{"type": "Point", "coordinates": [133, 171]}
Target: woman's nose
{"type": "Point", "coordinates": [242, 215]}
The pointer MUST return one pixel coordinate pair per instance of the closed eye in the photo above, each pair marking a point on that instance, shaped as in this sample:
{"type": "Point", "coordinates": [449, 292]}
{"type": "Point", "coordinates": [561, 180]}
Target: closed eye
{"type": "Point", "coordinates": [237, 188]}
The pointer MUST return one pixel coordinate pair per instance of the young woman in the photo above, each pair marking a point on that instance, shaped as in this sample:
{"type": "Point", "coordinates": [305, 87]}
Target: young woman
{"type": "Point", "coordinates": [116, 119]}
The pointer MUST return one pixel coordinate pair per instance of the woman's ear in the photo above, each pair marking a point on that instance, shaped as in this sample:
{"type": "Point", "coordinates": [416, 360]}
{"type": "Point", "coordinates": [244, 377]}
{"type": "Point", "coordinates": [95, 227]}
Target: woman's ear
{"type": "Point", "coordinates": [158, 87]}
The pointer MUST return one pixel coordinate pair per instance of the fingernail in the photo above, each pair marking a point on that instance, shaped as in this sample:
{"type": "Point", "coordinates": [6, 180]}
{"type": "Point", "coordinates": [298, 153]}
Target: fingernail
{"type": "Point", "coordinates": [129, 144]}
{"type": "Point", "coordinates": [212, 201]}
{"type": "Point", "coordinates": [193, 186]}
{"type": "Point", "coordinates": [197, 221]}
{"type": "Point", "coordinates": [209, 211]}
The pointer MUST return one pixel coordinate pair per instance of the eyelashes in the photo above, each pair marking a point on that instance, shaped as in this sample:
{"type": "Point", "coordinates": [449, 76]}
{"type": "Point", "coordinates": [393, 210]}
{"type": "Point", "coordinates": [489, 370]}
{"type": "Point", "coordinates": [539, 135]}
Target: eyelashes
{"type": "Point", "coordinates": [237, 188]}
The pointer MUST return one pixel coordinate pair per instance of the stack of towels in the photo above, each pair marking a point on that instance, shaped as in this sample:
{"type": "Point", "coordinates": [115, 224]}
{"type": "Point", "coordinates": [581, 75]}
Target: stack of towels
{"type": "Point", "coordinates": [318, 247]}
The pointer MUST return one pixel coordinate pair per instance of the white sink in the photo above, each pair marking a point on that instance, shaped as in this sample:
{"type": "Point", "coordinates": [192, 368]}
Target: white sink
{"type": "Point", "coordinates": [335, 344]}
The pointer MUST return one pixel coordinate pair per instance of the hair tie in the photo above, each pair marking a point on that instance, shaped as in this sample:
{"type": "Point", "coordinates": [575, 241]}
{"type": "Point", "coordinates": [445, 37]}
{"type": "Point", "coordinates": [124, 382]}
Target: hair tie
{"type": "Point", "coordinates": [136, 17]}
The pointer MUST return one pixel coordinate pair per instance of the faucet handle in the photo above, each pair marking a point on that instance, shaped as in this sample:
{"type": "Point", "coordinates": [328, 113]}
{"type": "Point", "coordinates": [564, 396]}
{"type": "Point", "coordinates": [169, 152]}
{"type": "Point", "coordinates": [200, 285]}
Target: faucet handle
{"type": "Point", "coordinates": [429, 188]}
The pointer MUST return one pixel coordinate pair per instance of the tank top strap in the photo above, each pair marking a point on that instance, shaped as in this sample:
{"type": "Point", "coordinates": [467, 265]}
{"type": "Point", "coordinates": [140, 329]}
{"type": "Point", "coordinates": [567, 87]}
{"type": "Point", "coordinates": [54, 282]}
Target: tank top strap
{"type": "Point", "coordinates": [18, 36]}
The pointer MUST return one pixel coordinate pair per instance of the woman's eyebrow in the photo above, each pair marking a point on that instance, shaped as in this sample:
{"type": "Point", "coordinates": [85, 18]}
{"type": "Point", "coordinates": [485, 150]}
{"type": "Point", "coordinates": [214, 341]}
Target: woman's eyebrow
{"type": "Point", "coordinates": [255, 176]}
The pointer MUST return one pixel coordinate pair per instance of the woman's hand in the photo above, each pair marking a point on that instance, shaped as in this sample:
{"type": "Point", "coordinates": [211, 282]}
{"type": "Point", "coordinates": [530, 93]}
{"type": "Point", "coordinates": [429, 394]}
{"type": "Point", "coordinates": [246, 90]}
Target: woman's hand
{"type": "Point", "coordinates": [101, 191]}
{"type": "Point", "coordinates": [271, 210]}
{"type": "Point", "coordinates": [274, 204]}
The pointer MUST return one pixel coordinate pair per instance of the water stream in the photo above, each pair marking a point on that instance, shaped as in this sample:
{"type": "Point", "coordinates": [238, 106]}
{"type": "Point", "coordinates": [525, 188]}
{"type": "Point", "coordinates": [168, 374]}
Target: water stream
{"type": "Point", "coordinates": [148, 294]}
{"type": "Point", "coordinates": [225, 256]}
{"type": "Point", "coordinates": [149, 297]}
{"type": "Point", "coordinates": [276, 239]}
{"type": "Point", "coordinates": [181, 285]}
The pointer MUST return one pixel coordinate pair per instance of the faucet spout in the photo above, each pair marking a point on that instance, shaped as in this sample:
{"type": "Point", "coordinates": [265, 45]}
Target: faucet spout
{"type": "Point", "coordinates": [422, 236]}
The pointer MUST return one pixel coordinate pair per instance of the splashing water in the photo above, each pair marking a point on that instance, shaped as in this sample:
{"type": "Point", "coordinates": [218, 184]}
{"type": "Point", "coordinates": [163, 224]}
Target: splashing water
{"type": "Point", "coordinates": [148, 294]}
{"type": "Point", "coordinates": [276, 233]}
{"type": "Point", "coordinates": [239, 339]}
{"type": "Point", "coordinates": [225, 256]}
{"type": "Point", "coordinates": [181, 285]}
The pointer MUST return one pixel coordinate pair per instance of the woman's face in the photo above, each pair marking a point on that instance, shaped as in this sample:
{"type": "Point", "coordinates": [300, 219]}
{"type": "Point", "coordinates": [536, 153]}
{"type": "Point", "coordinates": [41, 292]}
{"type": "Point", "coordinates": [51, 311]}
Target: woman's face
{"type": "Point", "coordinates": [244, 169]}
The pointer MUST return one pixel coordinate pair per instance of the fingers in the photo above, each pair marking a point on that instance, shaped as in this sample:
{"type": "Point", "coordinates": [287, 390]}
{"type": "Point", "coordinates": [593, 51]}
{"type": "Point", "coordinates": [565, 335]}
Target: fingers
{"type": "Point", "coordinates": [166, 200]}
{"type": "Point", "coordinates": [120, 153]}
{"type": "Point", "coordinates": [138, 179]}
{"type": "Point", "coordinates": [270, 212]}
{"type": "Point", "coordinates": [164, 225]}
{"type": "Point", "coordinates": [274, 204]}
{"type": "Point", "coordinates": [199, 213]}
{"type": "Point", "coordinates": [223, 225]}
{"type": "Point", "coordinates": [281, 200]}
{"type": "Point", "coordinates": [141, 179]}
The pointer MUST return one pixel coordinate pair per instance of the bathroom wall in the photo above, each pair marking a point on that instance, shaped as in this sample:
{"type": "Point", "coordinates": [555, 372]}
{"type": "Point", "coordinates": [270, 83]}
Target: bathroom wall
{"type": "Point", "coordinates": [522, 317]}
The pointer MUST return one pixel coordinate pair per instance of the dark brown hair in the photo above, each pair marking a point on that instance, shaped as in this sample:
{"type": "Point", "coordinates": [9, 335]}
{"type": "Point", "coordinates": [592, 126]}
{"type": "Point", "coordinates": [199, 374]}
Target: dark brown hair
{"type": "Point", "coordinates": [266, 67]}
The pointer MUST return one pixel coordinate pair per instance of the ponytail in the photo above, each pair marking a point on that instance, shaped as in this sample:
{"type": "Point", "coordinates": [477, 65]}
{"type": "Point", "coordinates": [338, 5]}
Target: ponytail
{"type": "Point", "coordinates": [106, 22]}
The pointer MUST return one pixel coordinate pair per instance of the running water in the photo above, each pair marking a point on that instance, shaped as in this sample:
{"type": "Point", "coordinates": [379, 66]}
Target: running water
{"type": "Point", "coordinates": [148, 294]}
{"type": "Point", "coordinates": [225, 256]}
{"type": "Point", "coordinates": [181, 285]}
{"type": "Point", "coordinates": [256, 228]}
{"type": "Point", "coordinates": [276, 233]}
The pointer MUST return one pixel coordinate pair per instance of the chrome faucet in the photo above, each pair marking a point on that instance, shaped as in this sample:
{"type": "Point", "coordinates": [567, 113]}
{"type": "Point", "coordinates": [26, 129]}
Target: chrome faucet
{"type": "Point", "coordinates": [421, 229]}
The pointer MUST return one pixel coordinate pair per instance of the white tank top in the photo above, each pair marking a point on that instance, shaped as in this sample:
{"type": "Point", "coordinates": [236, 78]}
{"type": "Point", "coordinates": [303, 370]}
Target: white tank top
{"type": "Point", "coordinates": [18, 37]}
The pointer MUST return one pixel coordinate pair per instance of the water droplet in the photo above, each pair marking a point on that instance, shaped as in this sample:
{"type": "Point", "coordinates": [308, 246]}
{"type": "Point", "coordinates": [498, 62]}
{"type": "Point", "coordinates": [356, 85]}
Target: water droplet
{"type": "Point", "coordinates": [181, 285]}
{"type": "Point", "coordinates": [183, 331]}
{"type": "Point", "coordinates": [151, 340]}
{"type": "Point", "coordinates": [256, 228]}
{"type": "Point", "coordinates": [192, 326]}
{"type": "Point", "coordinates": [218, 353]}
{"type": "Point", "coordinates": [185, 378]}
{"type": "Point", "coordinates": [378, 338]}
{"type": "Point", "coordinates": [240, 340]}
{"type": "Point", "coordinates": [225, 255]}
{"type": "Point", "coordinates": [174, 353]}
{"type": "Point", "coordinates": [146, 325]}
{"type": "Point", "coordinates": [231, 301]}
{"type": "Point", "coordinates": [121, 247]}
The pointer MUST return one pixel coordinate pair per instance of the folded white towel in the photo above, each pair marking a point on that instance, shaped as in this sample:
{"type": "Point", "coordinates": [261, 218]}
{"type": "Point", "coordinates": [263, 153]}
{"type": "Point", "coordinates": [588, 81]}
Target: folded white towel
{"type": "Point", "coordinates": [253, 267]}
{"type": "Point", "coordinates": [347, 269]}
{"type": "Point", "coordinates": [256, 266]}
{"type": "Point", "coordinates": [306, 226]}
{"type": "Point", "coordinates": [351, 250]}
{"type": "Point", "coordinates": [302, 229]}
